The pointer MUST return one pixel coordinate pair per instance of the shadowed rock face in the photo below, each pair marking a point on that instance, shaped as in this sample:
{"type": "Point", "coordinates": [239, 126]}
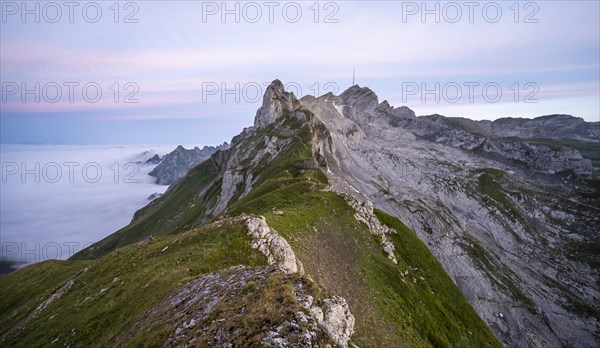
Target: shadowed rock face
{"type": "Point", "coordinates": [178, 162]}
{"type": "Point", "coordinates": [153, 160]}
{"type": "Point", "coordinates": [551, 126]}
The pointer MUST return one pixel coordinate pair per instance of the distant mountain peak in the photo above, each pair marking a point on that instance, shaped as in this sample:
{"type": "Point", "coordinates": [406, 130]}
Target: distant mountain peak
{"type": "Point", "coordinates": [178, 162]}
{"type": "Point", "coordinates": [361, 98]}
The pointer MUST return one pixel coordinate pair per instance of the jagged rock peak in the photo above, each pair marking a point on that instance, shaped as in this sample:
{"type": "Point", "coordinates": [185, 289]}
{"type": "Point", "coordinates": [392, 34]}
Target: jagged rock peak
{"type": "Point", "coordinates": [276, 102]}
{"type": "Point", "coordinates": [402, 111]}
{"type": "Point", "coordinates": [153, 160]}
{"type": "Point", "coordinates": [361, 98]}
{"type": "Point", "coordinates": [361, 103]}
{"type": "Point", "coordinates": [178, 162]}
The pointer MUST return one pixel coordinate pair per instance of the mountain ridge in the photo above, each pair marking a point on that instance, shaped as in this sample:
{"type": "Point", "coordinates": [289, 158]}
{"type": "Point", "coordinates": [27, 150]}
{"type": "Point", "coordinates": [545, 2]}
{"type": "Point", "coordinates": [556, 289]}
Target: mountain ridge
{"type": "Point", "coordinates": [364, 195]}
{"type": "Point", "coordinates": [357, 114]}
{"type": "Point", "coordinates": [547, 126]}
{"type": "Point", "coordinates": [178, 162]}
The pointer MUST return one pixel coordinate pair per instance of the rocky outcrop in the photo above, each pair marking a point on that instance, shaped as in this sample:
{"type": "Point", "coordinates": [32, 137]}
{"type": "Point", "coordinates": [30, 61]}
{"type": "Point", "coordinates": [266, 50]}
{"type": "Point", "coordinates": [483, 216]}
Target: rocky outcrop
{"type": "Point", "coordinates": [253, 154]}
{"type": "Point", "coordinates": [145, 158]}
{"type": "Point", "coordinates": [333, 314]}
{"type": "Point", "coordinates": [364, 213]}
{"type": "Point", "coordinates": [539, 157]}
{"type": "Point", "coordinates": [177, 163]}
{"type": "Point", "coordinates": [485, 138]}
{"type": "Point", "coordinates": [153, 160]}
{"type": "Point", "coordinates": [551, 126]}
{"type": "Point", "coordinates": [277, 250]}
{"type": "Point", "coordinates": [209, 311]}
{"type": "Point", "coordinates": [269, 242]}
{"type": "Point", "coordinates": [232, 180]}
{"type": "Point", "coordinates": [276, 102]}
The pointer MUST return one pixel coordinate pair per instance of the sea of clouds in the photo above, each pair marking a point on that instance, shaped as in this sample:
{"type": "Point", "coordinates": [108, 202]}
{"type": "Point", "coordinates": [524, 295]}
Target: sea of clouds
{"type": "Point", "coordinates": [57, 199]}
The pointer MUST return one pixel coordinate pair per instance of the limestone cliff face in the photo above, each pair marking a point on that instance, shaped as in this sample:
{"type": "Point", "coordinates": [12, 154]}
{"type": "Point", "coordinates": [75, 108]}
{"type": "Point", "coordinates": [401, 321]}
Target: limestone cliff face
{"type": "Point", "coordinates": [361, 105]}
{"type": "Point", "coordinates": [276, 101]}
{"type": "Point", "coordinates": [505, 218]}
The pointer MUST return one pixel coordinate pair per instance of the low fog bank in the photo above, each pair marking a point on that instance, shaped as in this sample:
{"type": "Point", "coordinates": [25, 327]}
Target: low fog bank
{"type": "Point", "coordinates": [57, 199]}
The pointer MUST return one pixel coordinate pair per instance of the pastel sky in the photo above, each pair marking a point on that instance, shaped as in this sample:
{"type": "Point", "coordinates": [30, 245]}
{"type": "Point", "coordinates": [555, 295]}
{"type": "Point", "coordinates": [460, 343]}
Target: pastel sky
{"type": "Point", "coordinates": [194, 72]}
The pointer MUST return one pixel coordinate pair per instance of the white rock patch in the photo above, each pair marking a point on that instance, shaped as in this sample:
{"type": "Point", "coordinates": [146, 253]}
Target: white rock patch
{"type": "Point", "coordinates": [334, 315]}
{"type": "Point", "coordinates": [364, 213]}
{"type": "Point", "coordinates": [277, 250]}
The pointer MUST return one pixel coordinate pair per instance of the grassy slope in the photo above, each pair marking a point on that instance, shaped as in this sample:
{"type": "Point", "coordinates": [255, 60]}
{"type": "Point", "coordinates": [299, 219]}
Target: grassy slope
{"type": "Point", "coordinates": [424, 308]}
{"type": "Point", "coordinates": [244, 313]}
{"type": "Point", "coordinates": [22, 291]}
{"type": "Point", "coordinates": [176, 211]}
{"type": "Point", "coordinates": [133, 278]}
{"type": "Point", "coordinates": [186, 202]}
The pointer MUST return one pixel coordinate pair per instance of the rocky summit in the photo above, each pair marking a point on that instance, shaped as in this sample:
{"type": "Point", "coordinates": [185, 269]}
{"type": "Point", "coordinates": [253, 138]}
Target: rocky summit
{"type": "Point", "coordinates": [342, 221]}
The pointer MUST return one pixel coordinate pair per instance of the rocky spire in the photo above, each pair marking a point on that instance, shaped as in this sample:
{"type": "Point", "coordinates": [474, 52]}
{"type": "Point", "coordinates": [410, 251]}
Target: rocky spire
{"type": "Point", "coordinates": [276, 102]}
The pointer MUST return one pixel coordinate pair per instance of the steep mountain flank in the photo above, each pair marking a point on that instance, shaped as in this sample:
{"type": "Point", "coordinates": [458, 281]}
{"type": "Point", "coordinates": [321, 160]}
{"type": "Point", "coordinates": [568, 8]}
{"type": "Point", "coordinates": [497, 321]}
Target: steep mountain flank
{"type": "Point", "coordinates": [512, 223]}
{"type": "Point", "coordinates": [553, 131]}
